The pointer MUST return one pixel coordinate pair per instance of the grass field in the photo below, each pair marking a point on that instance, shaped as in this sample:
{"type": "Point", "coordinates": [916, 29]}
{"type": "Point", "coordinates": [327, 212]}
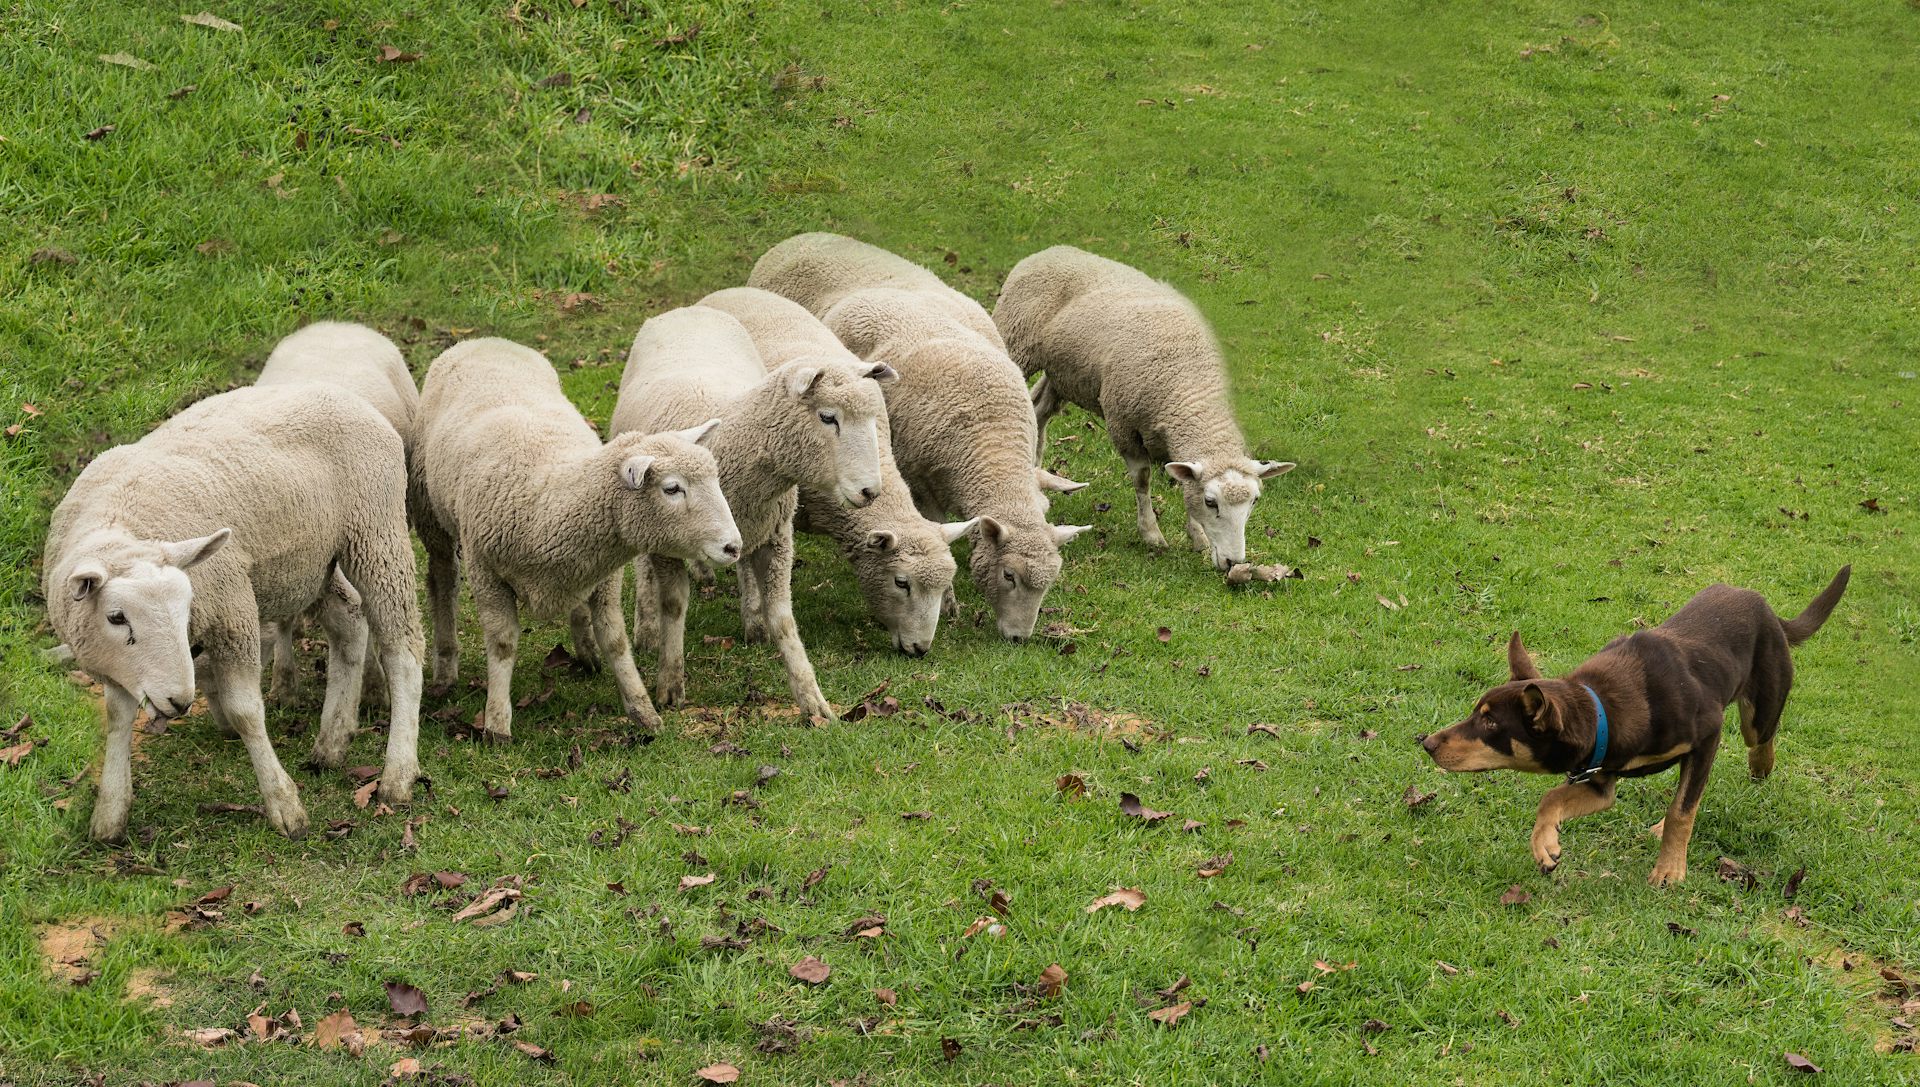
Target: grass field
{"type": "Point", "coordinates": [1564, 314]}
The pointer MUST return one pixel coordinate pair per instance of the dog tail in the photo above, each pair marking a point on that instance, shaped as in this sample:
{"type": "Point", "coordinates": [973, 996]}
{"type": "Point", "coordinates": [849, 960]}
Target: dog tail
{"type": "Point", "coordinates": [1802, 626]}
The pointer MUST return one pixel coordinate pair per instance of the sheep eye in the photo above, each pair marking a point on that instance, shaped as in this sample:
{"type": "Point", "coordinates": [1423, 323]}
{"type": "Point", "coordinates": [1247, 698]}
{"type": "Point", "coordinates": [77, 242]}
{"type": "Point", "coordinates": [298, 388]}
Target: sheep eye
{"type": "Point", "coordinates": [671, 488]}
{"type": "Point", "coordinates": [1212, 504]}
{"type": "Point", "coordinates": [902, 584]}
{"type": "Point", "coordinates": [1008, 574]}
{"type": "Point", "coordinates": [830, 419]}
{"type": "Point", "coordinates": [117, 617]}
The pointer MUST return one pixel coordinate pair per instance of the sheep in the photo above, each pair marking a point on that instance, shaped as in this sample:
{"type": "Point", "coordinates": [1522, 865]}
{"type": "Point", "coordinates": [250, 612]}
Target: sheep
{"type": "Point", "coordinates": [1140, 355]}
{"type": "Point", "coordinates": [813, 421]}
{"type": "Point", "coordinates": [516, 487]}
{"type": "Point", "coordinates": [362, 361]}
{"type": "Point", "coordinates": [961, 423]}
{"type": "Point", "coordinates": [903, 561]}
{"type": "Point", "coordinates": [238, 509]}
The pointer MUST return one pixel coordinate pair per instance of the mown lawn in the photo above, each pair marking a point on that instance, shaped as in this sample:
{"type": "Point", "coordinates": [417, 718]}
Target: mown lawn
{"type": "Point", "coordinates": [1564, 314]}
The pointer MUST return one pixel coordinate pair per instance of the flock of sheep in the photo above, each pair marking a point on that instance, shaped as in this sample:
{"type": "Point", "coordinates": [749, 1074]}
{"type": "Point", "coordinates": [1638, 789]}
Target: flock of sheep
{"type": "Point", "coordinates": [845, 391]}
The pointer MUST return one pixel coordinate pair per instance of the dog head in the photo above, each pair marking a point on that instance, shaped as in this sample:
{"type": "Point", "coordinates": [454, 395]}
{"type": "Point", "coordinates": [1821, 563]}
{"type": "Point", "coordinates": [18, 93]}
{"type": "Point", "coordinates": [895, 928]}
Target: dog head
{"type": "Point", "coordinates": [1524, 724]}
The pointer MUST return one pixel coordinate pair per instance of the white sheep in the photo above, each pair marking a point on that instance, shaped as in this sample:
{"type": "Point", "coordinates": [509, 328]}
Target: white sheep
{"type": "Point", "coordinates": [543, 516]}
{"type": "Point", "coordinates": [1136, 352]}
{"type": "Point", "coordinates": [814, 421]}
{"type": "Point", "coordinates": [904, 562]}
{"type": "Point", "coordinates": [238, 509]}
{"type": "Point", "coordinates": [819, 269]}
{"type": "Point", "coordinates": [362, 361]}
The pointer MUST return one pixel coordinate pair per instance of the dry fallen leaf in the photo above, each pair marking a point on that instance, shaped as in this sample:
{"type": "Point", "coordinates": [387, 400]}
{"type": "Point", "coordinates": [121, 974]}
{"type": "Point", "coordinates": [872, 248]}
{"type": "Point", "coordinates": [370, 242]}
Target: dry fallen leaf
{"type": "Point", "coordinates": [405, 1068]}
{"type": "Point", "coordinates": [1515, 895]}
{"type": "Point", "coordinates": [127, 60]}
{"type": "Point", "coordinates": [364, 794]}
{"type": "Point", "coordinates": [688, 883]}
{"type": "Point", "coordinates": [394, 56]}
{"type": "Point", "coordinates": [719, 1073]}
{"type": "Point", "coordinates": [212, 22]}
{"type": "Point", "coordinates": [210, 1037]}
{"type": "Point", "coordinates": [405, 999]}
{"type": "Point", "coordinates": [1414, 798]}
{"type": "Point", "coordinates": [1170, 1016]}
{"type": "Point", "coordinates": [1052, 979]}
{"type": "Point", "coordinates": [1072, 785]}
{"type": "Point", "coordinates": [544, 1056]}
{"type": "Point", "coordinates": [1213, 866]}
{"type": "Point", "coordinates": [1130, 897]}
{"type": "Point", "coordinates": [1130, 805]}
{"type": "Point", "coordinates": [1800, 1064]}
{"type": "Point", "coordinates": [810, 970]}
{"type": "Point", "coordinates": [886, 996]}
{"type": "Point", "coordinates": [334, 1029]}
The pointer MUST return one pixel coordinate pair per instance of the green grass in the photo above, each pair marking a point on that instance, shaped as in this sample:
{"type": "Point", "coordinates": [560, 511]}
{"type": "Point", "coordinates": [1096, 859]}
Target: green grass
{"type": "Point", "coordinates": [1555, 331]}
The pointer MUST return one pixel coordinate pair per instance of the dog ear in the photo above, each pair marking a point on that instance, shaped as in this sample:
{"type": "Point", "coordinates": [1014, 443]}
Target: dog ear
{"type": "Point", "coordinates": [1519, 661]}
{"type": "Point", "coordinates": [1544, 710]}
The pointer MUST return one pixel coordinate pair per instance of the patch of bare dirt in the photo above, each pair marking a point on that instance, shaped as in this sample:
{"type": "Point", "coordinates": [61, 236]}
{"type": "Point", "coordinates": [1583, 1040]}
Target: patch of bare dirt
{"type": "Point", "coordinates": [70, 948]}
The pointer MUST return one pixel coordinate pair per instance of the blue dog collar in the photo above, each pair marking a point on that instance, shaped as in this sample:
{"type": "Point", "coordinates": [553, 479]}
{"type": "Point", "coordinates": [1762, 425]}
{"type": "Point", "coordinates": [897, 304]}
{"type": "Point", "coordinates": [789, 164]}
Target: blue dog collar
{"type": "Point", "coordinates": [1581, 777]}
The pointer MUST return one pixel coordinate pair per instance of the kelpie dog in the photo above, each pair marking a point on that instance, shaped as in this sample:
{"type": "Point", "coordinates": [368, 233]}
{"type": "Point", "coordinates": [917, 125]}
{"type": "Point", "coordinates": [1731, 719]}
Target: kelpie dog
{"type": "Point", "coordinates": [1651, 700]}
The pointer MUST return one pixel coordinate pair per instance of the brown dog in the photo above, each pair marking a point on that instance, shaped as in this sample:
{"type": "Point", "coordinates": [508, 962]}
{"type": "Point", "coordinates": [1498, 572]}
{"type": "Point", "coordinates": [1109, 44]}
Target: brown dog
{"type": "Point", "coordinates": [1652, 700]}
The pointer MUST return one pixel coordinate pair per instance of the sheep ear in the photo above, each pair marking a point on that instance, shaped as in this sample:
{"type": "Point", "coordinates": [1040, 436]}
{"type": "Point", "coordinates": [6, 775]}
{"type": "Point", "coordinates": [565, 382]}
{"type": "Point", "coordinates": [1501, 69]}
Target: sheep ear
{"type": "Point", "coordinates": [953, 530]}
{"type": "Point", "coordinates": [188, 553]}
{"type": "Point", "coordinates": [882, 540]}
{"type": "Point", "coordinates": [633, 471]}
{"type": "Point", "coordinates": [87, 577]}
{"type": "Point", "coordinates": [801, 382]}
{"type": "Point", "coordinates": [991, 530]}
{"type": "Point", "coordinates": [1184, 471]}
{"type": "Point", "coordinates": [1271, 468]}
{"type": "Point", "coordinates": [697, 434]}
{"type": "Point", "coordinates": [1058, 484]}
{"type": "Point", "coordinates": [884, 374]}
{"type": "Point", "coordinates": [1519, 662]}
{"type": "Point", "coordinates": [1064, 534]}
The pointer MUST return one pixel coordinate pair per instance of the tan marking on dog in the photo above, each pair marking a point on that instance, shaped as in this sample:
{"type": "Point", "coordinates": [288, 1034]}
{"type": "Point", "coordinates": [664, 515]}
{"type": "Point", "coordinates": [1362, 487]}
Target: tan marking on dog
{"type": "Point", "coordinates": [1671, 866]}
{"type": "Point", "coordinates": [1664, 756]}
{"type": "Point", "coordinates": [1557, 806]}
{"type": "Point", "coordinates": [1467, 755]}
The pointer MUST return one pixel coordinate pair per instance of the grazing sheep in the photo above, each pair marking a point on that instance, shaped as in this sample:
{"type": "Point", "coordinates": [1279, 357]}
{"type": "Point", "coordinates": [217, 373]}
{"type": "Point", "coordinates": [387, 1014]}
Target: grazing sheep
{"type": "Point", "coordinates": [815, 421]}
{"type": "Point", "coordinates": [240, 508]}
{"type": "Point", "coordinates": [1140, 355]}
{"type": "Point", "coordinates": [817, 270]}
{"type": "Point", "coordinates": [516, 484]}
{"type": "Point", "coordinates": [904, 561]}
{"type": "Point", "coordinates": [363, 362]}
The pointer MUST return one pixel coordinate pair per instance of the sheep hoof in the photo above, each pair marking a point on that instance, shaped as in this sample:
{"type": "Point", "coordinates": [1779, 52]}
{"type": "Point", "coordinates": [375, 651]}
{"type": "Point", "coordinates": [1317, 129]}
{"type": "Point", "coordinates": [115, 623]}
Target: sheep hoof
{"type": "Point", "coordinates": [111, 831]}
{"type": "Point", "coordinates": [497, 736]}
{"type": "Point", "coordinates": [396, 789]}
{"type": "Point", "coordinates": [290, 819]}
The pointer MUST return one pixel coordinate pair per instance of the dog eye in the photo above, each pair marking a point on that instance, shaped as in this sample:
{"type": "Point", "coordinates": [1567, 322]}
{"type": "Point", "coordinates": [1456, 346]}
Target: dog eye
{"type": "Point", "coordinates": [117, 617]}
{"type": "Point", "coordinates": [829, 418]}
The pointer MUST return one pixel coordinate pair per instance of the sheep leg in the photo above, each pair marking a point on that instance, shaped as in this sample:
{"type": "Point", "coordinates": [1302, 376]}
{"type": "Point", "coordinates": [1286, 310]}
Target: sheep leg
{"type": "Point", "coordinates": [611, 636]}
{"type": "Point", "coordinates": [646, 607]}
{"type": "Point", "coordinates": [500, 624]}
{"type": "Point", "coordinates": [237, 687]}
{"type": "Point", "coordinates": [378, 567]}
{"type": "Point", "coordinates": [286, 666]}
{"type": "Point", "coordinates": [1196, 535]}
{"type": "Point", "coordinates": [443, 595]}
{"type": "Point", "coordinates": [586, 651]}
{"type": "Point", "coordinates": [346, 631]}
{"type": "Point", "coordinates": [115, 798]}
{"type": "Point", "coordinates": [1141, 472]}
{"type": "Point", "coordinates": [670, 591]}
{"type": "Point", "coordinates": [374, 683]}
{"type": "Point", "coordinates": [1045, 404]}
{"type": "Point", "coordinates": [753, 614]}
{"type": "Point", "coordinates": [772, 564]}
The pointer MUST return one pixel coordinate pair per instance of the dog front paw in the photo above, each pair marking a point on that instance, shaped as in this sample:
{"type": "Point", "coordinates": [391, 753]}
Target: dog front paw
{"type": "Point", "coordinates": [1667, 873]}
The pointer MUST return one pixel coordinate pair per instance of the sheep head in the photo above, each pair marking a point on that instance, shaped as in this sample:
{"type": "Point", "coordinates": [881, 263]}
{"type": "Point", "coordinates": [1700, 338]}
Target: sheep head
{"type": "Point", "coordinates": [1220, 496]}
{"type": "Point", "coordinates": [1013, 567]}
{"type": "Point", "coordinates": [905, 575]}
{"type": "Point", "coordinates": [670, 501]}
{"type": "Point", "coordinates": [836, 411]}
{"type": "Point", "coordinates": [123, 603]}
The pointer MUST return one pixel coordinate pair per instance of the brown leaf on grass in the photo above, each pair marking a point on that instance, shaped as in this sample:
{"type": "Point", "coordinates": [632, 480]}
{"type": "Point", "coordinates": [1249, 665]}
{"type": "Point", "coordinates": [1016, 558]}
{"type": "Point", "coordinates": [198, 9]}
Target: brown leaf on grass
{"type": "Point", "coordinates": [582, 116]}
{"type": "Point", "coordinates": [126, 60]}
{"type": "Point", "coordinates": [558, 79]}
{"type": "Point", "coordinates": [1072, 786]}
{"type": "Point", "coordinates": [360, 775]}
{"type": "Point", "coordinates": [210, 1037]}
{"type": "Point", "coordinates": [1679, 929]}
{"type": "Point", "coordinates": [1800, 1064]}
{"type": "Point", "coordinates": [491, 901]}
{"type": "Point", "coordinates": [355, 929]}
{"type": "Point", "coordinates": [719, 1073]}
{"type": "Point", "coordinates": [1268, 729]}
{"type": "Point", "coordinates": [544, 1056]}
{"type": "Point", "coordinates": [11, 756]}
{"type": "Point", "coordinates": [950, 1049]}
{"type": "Point", "coordinates": [1179, 986]}
{"type": "Point", "coordinates": [683, 37]}
{"type": "Point", "coordinates": [101, 133]}
{"type": "Point", "coordinates": [1192, 826]}
{"type": "Point", "coordinates": [181, 92]}
{"type": "Point", "coordinates": [1447, 968]}
{"type": "Point", "coordinates": [392, 55]}
{"type": "Point", "coordinates": [1414, 798]}
{"type": "Point", "coordinates": [1732, 871]}
{"type": "Point", "coordinates": [1798, 915]}
{"type": "Point", "coordinates": [1213, 866]}
{"type": "Point", "coordinates": [810, 970]}
{"type": "Point", "coordinates": [578, 300]}
{"type": "Point", "coordinates": [405, 1068]}
{"type": "Point", "coordinates": [689, 830]}
{"type": "Point", "coordinates": [815, 877]}
{"type": "Point", "coordinates": [1871, 505]}
{"type": "Point", "coordinates": [578, 1009]}
{"type": "Point", "coordinates": [1171, 1016]}
{"type": "Point", "coordinates": [334, 1029]}
{"type": "Point", "coordinates": [912, 816]}
{"type": "Point", "coordinates": [1051, 981]}
{"type": "Point", "coordinates": [688, 883]}
{"type": "Point", "coordinates": [405, 1000]}
{"type": "Point", "coordinates": [1130, 805]}
{"type": "Point", "coordinates": [364, 794]}
{"type": "Point", "coordinates": [1515, 895]}
{"type": "Point", "coordinates": [1897, 984]}
{"type": "Point", "coordinates": [1129, 897]}
{"type": "Point", "coordinates": [557, 658]}
{"type": "Point", "coordinates": [496, 792]}
{"type": "Point", "coordinates": [1251, 764]}
{"type": "Point", "coordinates": [1376, 1026]}
{"type": "Point", "coordinates": [1792, 888]}
{"type": "Point", "coordinates": [51, 255]}
{"type": "Point", "coordinates": [887, 997]}
{"type": "Point", "coordinates": [1164, 634]}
